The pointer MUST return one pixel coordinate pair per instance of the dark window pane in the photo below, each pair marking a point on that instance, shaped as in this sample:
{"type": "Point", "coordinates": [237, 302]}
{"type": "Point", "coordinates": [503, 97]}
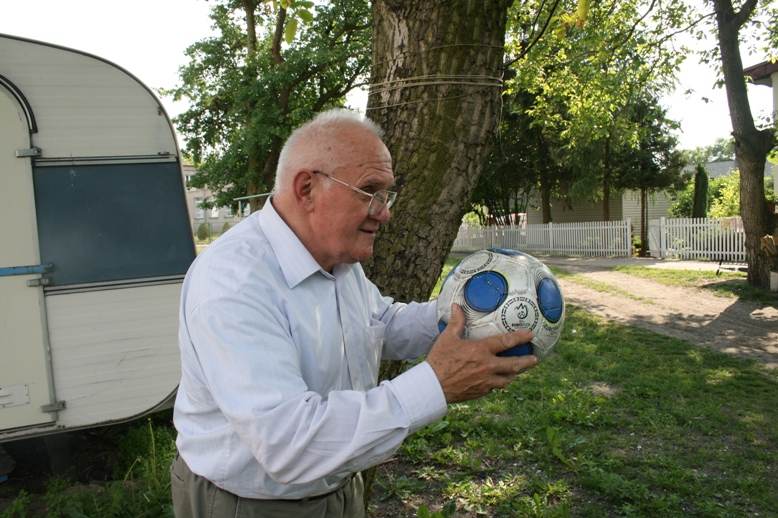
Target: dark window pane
{"type": "Point", "coordinates": [112, 222]}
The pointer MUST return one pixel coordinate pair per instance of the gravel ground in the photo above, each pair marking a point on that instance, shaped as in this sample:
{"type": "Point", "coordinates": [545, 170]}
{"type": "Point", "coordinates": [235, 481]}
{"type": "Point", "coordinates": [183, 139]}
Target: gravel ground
{"type": "Point", "coordinates": [695, 315]}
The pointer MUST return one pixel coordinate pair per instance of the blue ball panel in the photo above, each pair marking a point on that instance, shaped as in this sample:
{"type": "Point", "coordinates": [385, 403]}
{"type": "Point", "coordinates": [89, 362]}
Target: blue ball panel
{"type": "Point", "coordinates": [550, 300]}
{"type": "Point", "coordinates": [519, 350]}
{"type": "Point", "coordinates": [441, 326]}
{"type": "Point", "coordinates": [506, 251]}
{"type": "Point", "coordinates": [485, 291]}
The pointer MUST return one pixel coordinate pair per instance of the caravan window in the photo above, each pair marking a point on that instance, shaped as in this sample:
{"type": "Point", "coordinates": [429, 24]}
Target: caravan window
{"type": "Point", "coordinates": [114, 222]}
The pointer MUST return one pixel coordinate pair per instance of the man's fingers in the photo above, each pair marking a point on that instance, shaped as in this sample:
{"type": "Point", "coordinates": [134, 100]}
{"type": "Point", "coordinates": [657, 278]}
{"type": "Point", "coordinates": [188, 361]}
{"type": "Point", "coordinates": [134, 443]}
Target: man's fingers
{"type": "Point", "coordinates": [457, 321]}
{"type": "Point", "coordinates": [503, 342]}
{"type": "Point", "coordinates": [512, 365]}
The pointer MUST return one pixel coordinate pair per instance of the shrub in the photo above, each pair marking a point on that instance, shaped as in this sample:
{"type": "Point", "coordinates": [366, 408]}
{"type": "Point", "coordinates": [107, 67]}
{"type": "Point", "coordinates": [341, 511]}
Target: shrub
{"type": "Point", "coordinates": [203, 231]}
{"type": "Point", "coordinates": [225, 227]}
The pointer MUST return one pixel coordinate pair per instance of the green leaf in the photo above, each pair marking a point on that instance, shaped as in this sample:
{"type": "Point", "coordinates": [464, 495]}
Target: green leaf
{"type": "Point", "coordinates": [290, 30]}
{"type": "Point", "coordinates": [305, 15]}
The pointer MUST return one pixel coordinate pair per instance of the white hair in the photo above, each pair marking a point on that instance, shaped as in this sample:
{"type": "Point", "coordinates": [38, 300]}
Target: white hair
{"type": "Point", "coordinates": [325, 122]}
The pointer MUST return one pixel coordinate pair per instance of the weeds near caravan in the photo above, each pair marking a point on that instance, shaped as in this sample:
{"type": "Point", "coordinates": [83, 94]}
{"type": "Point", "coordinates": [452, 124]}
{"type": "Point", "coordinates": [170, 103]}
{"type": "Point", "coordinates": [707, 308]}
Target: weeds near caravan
{"type": "Point", "coordinates": [141, 485]}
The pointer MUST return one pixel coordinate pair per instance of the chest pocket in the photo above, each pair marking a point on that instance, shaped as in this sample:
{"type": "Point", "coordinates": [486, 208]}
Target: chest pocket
{"type": "Point", "coordinates": [375, 341]}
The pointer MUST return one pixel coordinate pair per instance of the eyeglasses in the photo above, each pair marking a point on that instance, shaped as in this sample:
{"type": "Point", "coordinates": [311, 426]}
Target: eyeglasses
{"type": "Point", "coordinates": [378, 199]}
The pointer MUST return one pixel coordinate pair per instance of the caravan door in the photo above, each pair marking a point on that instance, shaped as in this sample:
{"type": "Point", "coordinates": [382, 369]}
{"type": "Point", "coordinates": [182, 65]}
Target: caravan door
{"type": "Point", "coordinates": [25, 378]}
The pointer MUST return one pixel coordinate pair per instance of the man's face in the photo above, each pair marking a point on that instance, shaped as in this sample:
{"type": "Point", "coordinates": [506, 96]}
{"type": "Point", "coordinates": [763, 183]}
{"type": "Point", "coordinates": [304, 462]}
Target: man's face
{"type": "Point", "coordinates": [344, 231]}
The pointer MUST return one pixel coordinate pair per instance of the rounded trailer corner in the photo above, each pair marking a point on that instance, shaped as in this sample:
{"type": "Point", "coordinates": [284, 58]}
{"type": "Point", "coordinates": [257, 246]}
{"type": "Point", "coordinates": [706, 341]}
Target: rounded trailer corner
{"type": "Point", "coordinates": [97, 243]}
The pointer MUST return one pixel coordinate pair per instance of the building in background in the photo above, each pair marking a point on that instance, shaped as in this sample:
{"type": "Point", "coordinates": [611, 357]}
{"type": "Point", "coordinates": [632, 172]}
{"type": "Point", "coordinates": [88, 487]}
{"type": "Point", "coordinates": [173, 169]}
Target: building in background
{"type": "Point", "coordinates": [213, 220]}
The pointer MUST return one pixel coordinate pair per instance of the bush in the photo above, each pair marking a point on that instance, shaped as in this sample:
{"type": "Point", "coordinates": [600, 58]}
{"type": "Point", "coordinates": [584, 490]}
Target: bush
{"type": "Point", "coordinates": [225, 227]}
{"type": "Point", "coordinates": [723, 197]}
{"type": "Point", "coordinates": [203, 232]}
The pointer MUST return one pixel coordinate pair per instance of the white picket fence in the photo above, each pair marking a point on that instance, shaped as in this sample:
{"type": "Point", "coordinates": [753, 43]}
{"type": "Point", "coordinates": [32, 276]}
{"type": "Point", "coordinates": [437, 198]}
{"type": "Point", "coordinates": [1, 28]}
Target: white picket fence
{"type": "Point", "coordinates": [592, 238]}
{"type": "Point", "coordinates": [715, 239]}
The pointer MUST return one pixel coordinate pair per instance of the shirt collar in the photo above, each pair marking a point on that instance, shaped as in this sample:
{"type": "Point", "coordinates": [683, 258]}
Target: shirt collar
{"type": "Point", "coordinates": [297, 263]}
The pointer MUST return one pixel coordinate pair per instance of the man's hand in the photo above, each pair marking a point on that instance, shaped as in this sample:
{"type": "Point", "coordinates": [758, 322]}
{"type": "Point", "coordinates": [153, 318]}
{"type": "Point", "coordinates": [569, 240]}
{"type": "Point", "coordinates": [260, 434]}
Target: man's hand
{"type": "Point", "coordinates": [469, 369]}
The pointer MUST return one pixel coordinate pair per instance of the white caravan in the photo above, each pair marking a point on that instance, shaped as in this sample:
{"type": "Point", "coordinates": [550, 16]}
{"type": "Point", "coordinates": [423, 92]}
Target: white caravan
{"type": "Point", "coordinates": [94, 242]}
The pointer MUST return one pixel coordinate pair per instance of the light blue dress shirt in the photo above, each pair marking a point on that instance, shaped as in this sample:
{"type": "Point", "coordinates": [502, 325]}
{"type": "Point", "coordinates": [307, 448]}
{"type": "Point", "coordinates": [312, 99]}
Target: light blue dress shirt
{"type": "Point", "coordinates": [278, 395]}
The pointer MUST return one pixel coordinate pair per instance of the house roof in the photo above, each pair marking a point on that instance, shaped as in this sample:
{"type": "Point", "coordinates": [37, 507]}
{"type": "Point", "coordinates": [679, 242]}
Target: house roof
{"type": "Point", "coordinates": [761, 73]}
{"type": "Point", "coordinates": [725, 167]}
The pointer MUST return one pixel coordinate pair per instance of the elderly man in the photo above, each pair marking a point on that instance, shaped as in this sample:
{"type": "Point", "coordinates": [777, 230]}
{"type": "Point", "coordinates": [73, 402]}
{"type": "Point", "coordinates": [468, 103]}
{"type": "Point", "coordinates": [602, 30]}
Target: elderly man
{"type": "Point", "coordinates": [281, 336]}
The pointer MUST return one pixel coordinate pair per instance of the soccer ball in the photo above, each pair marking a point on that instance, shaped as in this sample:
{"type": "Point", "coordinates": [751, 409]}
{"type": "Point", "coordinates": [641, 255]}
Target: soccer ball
{"type": "Point", "coordinates": [503, 290]}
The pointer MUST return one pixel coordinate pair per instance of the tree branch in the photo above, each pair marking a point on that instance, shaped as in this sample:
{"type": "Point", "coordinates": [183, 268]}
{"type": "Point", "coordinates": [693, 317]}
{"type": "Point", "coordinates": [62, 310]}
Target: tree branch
{"type": "Point", "coordinates": [251, 26]}
{"type": "Point", "coordinates": [525, 50]}
{"type": "Point", "coordinates": [275, 50]}
{"type": "Point", "coordinates": [744, 13]}
{"type": "Point", "coordinates": [637, 22]}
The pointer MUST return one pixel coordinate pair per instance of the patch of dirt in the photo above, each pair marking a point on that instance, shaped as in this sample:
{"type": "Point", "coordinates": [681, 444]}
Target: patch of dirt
{"type": "Point", "coordinates": [695, 315]}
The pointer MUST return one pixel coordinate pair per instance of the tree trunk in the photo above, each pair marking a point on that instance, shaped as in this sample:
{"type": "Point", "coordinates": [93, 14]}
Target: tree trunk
{"type": "Point", "coordinates": [435, 90]}
{"type": "Point", "coordinates": [606, 184]}
{"type": "Point", "coordinates": [643, 222]}
{"type": "Point", "coordinates": [751, 145]}
{"type": "Point", "coordinates": [545, 201]}
{"type": "Point", "coordinates": [436, 84]}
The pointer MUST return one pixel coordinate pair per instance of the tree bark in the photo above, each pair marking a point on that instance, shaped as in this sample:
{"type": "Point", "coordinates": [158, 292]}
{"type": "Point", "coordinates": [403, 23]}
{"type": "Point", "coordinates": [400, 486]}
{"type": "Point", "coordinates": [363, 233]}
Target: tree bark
{"type": "Point", "coordinates": [606, 184]}
{"type": "Point", "coordinates": [643, 222]}
{"type": "Point", "coordinates": [436, 84]}
{"type": "Point", "coordinates": [545, 201]}
{"type": "Point", "coordinates": [435, 89]}
{"type": "Point", "coordinates": [751, 145]}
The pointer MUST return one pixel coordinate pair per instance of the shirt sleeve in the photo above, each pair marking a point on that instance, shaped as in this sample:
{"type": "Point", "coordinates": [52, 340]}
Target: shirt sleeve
{"type": "Point", "coordinates": [411, 328]}
{"type": "Point", "coordinates": [253, 375]}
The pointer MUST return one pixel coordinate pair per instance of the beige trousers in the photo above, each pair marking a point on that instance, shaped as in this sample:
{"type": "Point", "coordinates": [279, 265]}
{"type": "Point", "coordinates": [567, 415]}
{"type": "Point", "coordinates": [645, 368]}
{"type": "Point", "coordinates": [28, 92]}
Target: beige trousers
{"type": "Point", "coordinates": [196, 497]}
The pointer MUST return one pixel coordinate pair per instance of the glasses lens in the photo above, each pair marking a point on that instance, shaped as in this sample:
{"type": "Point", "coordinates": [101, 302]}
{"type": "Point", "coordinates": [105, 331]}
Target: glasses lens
{"type": "Point", "coordinates": [381, 200]}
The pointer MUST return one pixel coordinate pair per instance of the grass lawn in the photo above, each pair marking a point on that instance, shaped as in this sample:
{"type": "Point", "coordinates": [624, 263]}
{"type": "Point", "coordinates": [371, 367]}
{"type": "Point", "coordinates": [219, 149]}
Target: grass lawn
{"type": "Point", "coordinates": [726, 284]}
{"type": "Point", "coordinates": [618, 422]}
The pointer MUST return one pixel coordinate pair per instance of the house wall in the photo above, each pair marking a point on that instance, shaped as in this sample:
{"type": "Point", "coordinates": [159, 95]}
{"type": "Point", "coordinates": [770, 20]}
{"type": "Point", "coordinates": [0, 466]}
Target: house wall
{"type": "Point", "coordinates": [659, 204]}
{"type": "Point", "coordinates": [581, 210]}
{"type": "Point", "coordinates": [216, 218]}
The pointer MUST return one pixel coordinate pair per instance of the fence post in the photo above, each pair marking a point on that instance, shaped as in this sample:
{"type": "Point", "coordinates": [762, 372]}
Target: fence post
{"type": "Point", "coordinates": [662, 238]}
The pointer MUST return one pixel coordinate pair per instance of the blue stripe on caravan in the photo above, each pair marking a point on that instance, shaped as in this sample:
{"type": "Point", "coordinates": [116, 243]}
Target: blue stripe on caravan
{"type": "Point", "coordinates": [24, 270]}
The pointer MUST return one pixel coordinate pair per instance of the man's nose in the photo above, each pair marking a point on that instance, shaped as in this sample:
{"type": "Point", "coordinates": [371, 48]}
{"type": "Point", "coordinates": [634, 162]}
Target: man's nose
{"type": "Point", "coordinates": [384, 214]}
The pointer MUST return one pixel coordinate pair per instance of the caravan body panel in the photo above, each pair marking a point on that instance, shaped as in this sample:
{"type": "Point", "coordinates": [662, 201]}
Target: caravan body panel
{"type": "Point", "coordinates": [24, 376]}
{"type": "Point", "coordinates": [90, 178]}
{"type": "Point", "coordinates": [115, 351]}
{"type": "Point", "coordinates": [84, 106]}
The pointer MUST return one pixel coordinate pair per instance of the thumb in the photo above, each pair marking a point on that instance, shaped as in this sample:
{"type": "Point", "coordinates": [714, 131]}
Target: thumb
{"type": "Point", "coordinates": [456, 323]}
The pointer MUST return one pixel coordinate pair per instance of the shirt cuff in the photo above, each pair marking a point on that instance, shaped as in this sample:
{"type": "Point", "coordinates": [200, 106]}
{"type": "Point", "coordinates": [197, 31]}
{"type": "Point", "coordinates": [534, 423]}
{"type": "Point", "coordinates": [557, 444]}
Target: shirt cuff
{"type": "Point", "coordinates": [420, 394]}
{"type": "Point", "coordinates": [431, 318]}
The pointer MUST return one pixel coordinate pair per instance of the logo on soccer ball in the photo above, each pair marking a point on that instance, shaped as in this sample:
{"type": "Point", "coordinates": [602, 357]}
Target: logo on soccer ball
{"type": "Point", "coordinates": [519, 313]}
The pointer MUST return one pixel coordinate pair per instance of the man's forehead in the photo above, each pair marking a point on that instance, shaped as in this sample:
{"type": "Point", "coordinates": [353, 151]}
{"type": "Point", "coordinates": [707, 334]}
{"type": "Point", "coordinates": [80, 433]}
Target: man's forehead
{"type": "Point", "coordinates": [378, 169]}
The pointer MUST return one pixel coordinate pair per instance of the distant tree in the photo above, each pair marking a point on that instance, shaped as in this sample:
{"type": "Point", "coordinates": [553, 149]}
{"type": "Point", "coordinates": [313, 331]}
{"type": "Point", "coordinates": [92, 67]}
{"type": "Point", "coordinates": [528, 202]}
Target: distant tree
{"type": "Point", "coordinates": [653, 163]}
{"type": "Point", "coordinates": [269, 67]}
{"type": "Point", "coordinates": [700, 206]}
{"type": "Point", "coordinates": [721, 150]}
{"type": "Point", "coordinates": [583, 78]}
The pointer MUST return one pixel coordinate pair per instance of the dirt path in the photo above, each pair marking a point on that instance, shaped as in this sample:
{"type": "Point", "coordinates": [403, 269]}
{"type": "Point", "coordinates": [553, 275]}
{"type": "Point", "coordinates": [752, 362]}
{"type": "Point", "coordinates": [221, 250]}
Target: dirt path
{"type": "Point", "coordinates": [694, 315]}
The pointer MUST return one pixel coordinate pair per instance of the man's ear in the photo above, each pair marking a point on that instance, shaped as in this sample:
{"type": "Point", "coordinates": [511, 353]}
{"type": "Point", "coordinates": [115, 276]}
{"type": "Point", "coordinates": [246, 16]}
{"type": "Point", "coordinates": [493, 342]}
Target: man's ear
{"type": "Point", "coordinates": [302, 185]}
